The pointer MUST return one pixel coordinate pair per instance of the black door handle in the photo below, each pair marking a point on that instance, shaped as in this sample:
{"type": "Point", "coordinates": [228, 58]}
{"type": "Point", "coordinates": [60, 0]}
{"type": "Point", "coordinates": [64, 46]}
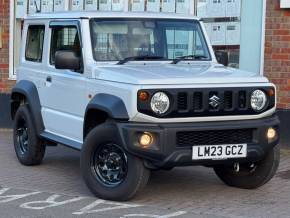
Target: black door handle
{"type": "Point", "coordinates": [49, 79]}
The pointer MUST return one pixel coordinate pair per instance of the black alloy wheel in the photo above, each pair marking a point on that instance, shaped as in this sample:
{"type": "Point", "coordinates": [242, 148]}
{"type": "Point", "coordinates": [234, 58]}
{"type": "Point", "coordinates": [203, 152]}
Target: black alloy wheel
{"type": "Point", "coordinates": [109, 164]}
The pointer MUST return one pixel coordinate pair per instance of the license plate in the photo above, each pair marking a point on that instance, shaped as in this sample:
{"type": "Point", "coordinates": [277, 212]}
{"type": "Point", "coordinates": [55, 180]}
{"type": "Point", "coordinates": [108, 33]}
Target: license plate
{"type": "Point", "coordinates": [203, 152]}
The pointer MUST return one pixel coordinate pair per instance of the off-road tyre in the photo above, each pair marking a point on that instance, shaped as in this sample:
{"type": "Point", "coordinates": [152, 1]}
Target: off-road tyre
{"type": "Point", "coordinates": [28, 146]}
{"type": "Point", "coordinates": [251, 176]}
{"type": "Point", "coordinates": [133, 181]}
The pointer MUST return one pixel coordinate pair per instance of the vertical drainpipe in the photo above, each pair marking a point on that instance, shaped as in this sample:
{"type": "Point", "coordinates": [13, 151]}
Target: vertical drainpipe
{"type": "Point", "coordinates": [11, 40]}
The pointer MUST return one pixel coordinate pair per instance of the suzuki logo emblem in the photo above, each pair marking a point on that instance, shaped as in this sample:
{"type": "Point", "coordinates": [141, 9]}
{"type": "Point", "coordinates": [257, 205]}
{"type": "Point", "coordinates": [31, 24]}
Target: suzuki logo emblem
{"type": "Point", "coordinates": [214, 101]}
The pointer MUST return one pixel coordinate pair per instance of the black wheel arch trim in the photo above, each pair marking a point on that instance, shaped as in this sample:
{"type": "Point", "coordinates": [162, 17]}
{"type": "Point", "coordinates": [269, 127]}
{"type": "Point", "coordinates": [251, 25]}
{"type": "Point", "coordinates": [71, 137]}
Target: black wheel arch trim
{"type": "Point", "coordinates": [29, 90]}
{"type": "Point", "coordinates": [112, 105]}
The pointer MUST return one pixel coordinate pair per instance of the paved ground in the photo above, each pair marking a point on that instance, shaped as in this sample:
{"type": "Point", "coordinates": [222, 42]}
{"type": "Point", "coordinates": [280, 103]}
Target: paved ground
{"type": "Point", "coordinates": [56, 189]}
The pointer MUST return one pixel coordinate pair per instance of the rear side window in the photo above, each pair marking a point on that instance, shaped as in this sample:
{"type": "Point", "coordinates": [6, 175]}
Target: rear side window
{"type": "Point", "coordinates": [64, 38]}
{"type": "Point", "coordinates": [34, 43]}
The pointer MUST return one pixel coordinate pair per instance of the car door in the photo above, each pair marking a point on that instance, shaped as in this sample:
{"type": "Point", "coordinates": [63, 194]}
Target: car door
{"type": "Point", "coordinates": [63, 92]}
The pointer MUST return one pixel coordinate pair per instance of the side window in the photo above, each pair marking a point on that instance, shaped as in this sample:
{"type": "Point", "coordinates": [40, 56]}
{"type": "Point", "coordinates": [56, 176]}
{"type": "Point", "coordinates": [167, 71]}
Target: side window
{"type": "Point", "coordinates": [64, 38]}
{"type": "Point", "coordinates": [34, 43]}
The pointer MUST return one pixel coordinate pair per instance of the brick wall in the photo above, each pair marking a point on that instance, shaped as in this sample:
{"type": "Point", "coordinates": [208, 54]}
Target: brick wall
{"type": "Point", "coordinates": [277, 50]}
{"type": "Point", "coordinates": [5, 84]}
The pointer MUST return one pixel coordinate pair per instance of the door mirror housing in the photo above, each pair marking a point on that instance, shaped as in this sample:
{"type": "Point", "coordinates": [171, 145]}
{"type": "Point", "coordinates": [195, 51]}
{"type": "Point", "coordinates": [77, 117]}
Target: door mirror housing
{"type": "Point", "coordinates": [222, 57]}
{"type": "Point", "coordinates": [67, 60]}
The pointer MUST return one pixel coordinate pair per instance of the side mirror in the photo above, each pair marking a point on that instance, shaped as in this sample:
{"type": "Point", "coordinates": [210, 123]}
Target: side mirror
{"type": "Point", "coordinates": [67, 60]}
{"type": "Point", "coordinates": [222, 57]}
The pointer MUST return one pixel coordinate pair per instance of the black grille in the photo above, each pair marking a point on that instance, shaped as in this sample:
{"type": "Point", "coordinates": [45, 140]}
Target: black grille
{"type": "Point", "coordinates": [201, 101]}
{"type": "Point", "coordinates": [214, 137]}
{"type": "Point", "coordinates": [205, 102]}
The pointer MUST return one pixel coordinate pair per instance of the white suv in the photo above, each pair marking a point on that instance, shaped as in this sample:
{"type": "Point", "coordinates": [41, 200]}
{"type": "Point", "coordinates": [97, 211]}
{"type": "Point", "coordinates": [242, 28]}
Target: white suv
{"type": "Point", "coordinates": [136, 92]}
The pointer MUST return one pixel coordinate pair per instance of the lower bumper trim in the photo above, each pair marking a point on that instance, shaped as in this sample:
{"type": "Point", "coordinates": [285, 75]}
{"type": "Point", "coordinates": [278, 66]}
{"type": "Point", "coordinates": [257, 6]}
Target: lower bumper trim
{"type": "Point", "coordinates": [167, 153]}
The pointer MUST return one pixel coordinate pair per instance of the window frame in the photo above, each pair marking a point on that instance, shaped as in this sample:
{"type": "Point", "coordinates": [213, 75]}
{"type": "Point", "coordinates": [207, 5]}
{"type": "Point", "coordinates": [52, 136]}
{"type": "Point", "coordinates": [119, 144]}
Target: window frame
{"type": "Point", "coordinates": [63, 24]}
{"type": "Point", "coordinates": [26, 43]}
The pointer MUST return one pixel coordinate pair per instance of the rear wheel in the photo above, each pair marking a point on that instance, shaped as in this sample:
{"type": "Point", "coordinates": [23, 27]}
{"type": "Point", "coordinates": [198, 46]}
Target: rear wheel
{"type": "Point", "coordinates": [250, 175]}
{"type": "Point", "coordinates": [109, 171]}
{"type": "Point", "coordinates": [28, 147]}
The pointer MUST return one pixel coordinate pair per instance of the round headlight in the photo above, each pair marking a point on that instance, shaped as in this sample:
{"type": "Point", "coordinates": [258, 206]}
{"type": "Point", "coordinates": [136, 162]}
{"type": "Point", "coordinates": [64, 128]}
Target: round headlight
{"type": "Point", "coordinates": [258, 100]}
{"type": "Point", "coordinates": [160, 103]}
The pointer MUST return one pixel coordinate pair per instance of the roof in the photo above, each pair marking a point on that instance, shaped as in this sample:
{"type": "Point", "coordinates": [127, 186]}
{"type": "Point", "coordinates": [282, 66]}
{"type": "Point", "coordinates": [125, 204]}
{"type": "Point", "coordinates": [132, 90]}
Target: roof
{"type": "Point", "coordinates": [109, 14]}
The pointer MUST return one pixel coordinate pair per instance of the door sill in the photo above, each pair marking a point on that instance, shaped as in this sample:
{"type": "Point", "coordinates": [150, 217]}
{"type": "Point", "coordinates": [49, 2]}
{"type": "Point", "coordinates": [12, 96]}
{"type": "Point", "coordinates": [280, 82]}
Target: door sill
{"type": "Point", "coordinates": [61, 140]}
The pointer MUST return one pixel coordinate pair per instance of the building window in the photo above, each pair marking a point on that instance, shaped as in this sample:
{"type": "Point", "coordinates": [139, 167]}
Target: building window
{"type": "Point", "coordinates": [64, 39]}
{"type": "Point", "coordinates": [34, 43]}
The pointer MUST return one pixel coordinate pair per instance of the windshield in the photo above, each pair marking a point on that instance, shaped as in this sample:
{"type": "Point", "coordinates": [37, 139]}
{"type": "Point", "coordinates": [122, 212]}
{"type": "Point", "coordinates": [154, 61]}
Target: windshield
{"type": "Point", "coordinates": [117, 39]}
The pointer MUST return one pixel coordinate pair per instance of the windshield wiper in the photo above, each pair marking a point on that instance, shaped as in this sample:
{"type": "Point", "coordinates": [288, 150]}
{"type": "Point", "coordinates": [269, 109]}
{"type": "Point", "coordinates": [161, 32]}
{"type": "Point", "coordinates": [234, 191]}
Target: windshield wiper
{"type": "Point", "coordinates": [194, 57]}
{"type": "Point", "coordinates": [141, 57]}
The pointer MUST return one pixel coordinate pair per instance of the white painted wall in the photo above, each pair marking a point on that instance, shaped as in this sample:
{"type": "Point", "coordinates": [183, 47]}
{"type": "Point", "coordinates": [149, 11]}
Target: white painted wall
{"type": "Point", "coordinates": [252, 36]}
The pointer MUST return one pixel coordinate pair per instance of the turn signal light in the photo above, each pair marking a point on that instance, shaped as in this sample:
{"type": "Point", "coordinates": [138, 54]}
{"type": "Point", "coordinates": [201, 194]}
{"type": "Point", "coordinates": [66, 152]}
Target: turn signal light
{"type": "Point", "coordinates": [271, 92]}
{"type": "Point", "coordinates": [143, 96]}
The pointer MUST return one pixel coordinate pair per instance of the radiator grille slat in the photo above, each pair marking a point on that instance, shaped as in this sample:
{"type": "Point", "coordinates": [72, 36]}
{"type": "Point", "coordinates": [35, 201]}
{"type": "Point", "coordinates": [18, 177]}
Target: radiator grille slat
{"type": "Point", "coordinates": [242, 99]}
{"type": "Point", "coordinates": [182, 101]}
{"type": "Point", "coordinates": [197, 101]}
{"type": "Point", "coordinates": [228, 100]}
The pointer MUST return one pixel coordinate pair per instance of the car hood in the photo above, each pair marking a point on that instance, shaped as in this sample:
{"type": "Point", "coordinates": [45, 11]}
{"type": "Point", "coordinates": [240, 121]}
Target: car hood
{"type": "Point", "coordinates": [165, 74]}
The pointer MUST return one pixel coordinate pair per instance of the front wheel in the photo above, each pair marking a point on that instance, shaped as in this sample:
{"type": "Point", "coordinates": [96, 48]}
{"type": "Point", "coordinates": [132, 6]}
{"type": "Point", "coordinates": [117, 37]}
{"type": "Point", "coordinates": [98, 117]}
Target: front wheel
{"type": "Point", "coordinates": [108, 170]}
{"type": "Point", "coordinates": [250, 175]}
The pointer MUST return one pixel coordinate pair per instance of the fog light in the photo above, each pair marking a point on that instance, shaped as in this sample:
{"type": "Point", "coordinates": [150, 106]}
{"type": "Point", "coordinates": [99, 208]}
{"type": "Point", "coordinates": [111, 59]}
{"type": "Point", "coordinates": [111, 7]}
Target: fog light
{"type": "Point", "coordinates": [145, 139]}
{"type": "Point", "coordinates": [271, 134]}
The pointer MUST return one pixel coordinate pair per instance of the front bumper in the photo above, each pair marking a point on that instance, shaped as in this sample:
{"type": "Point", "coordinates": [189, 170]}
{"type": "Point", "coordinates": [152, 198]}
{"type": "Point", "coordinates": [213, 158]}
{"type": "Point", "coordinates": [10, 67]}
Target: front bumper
{"type": "Point", "coordinates": [167, 153]}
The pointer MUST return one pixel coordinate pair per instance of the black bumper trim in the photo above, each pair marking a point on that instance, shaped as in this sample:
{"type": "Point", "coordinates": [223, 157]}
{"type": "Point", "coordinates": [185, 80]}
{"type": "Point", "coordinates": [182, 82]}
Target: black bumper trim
{"type": "Point", "coordinates": [166, 153]}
